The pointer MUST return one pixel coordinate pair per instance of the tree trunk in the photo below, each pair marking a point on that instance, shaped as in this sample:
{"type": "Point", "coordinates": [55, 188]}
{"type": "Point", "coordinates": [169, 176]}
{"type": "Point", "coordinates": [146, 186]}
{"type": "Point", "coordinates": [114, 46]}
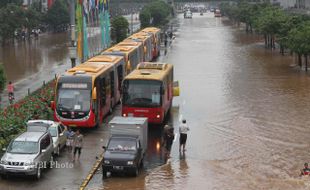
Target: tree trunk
{"type": "Point", "coordinates": [299, 60]}
{"type": "Point", "coordinates": [265, 37]}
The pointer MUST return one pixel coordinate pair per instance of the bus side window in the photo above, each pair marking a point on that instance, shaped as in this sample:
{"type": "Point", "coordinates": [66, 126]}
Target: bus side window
{"type": "Point", "coordinates": [103, 91]}
{"type": "Point", "coordinates": [120, 76]}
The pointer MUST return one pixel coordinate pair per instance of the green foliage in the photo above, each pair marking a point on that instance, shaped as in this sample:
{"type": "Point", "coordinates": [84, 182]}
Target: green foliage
{"type": "Point", "coordinates": [14, 117]}
{"type": "Point", "coordinates": [4, 3]}
{"type": "Point", "coordinates": [2, 78]}
{"type": "Point", "coordinates": [58, 15]}
{"type": "Point", "coordinates": [10, 19]}
{"type": "Point", "coordinates": [119, 28]}
{"type": "Point", "coordinates": [155, 13]}
{"type": "Point", "coordinates": [145, 17]}
{"type": "Point", "coordinates": [299, 39]}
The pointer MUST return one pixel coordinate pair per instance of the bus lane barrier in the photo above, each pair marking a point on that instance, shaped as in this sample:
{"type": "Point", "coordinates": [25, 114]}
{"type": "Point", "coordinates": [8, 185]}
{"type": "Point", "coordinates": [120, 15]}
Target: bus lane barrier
{"type": "Point", "coordinates": [92, 172]}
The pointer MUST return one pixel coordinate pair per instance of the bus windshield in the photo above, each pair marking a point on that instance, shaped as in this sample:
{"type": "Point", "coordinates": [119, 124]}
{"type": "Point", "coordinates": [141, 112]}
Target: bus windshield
{"type": "Point", "coordinates": [142, 93]}
{"type": "Point", "coordinates": [73, 100]}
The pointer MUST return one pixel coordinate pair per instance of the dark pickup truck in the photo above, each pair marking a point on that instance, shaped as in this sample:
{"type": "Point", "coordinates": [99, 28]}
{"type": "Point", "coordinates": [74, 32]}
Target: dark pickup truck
{"type": "Point", "coordinates": [126, 147]}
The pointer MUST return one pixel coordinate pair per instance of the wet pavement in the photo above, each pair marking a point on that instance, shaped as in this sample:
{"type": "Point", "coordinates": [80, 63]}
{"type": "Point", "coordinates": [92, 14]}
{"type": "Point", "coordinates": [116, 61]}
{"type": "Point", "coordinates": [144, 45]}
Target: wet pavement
{"type": "Point", "coordinates": [247, 108]}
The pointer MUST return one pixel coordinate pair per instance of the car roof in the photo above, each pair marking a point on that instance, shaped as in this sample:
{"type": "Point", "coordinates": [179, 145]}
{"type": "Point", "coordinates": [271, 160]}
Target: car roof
{"type": "Point", "coordinates": [44, 122]}
{"type": "Point", "coordinates": [30, 136]}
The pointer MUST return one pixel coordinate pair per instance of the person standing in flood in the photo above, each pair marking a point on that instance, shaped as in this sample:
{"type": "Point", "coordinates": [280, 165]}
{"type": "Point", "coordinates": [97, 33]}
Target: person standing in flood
{"type": "Point", "coordinates": [78, 144]}
{"type": "Point", "coordinates": [169, 137]}
{"type": "Point", "coordinates": [183, 129]}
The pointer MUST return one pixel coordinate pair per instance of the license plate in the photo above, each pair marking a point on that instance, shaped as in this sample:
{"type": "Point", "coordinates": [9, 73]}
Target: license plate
{"type": "Point", "coordinates": [118, 167]}
{"type": "Point", "coordinates": [72, 125]}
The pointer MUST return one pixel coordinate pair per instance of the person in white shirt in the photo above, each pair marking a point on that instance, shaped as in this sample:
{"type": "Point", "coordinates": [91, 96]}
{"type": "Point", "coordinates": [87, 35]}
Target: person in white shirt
{"type": "Point", "coordinates": [183, 129]}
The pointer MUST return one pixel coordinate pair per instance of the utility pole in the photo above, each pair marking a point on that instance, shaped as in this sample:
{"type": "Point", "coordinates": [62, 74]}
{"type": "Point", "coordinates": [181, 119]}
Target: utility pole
{"type": "Point", "coordinates": [72, 47]}
{"type": "Point", "coordinates": [131, 24]}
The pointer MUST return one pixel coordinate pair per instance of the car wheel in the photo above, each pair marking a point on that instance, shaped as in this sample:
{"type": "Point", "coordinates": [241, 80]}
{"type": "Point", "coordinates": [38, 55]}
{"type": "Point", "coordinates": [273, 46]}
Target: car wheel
{"type": "Point", "coordinates": [141, 164]}
{"type": "Point", "coordinates": [38, 174]}
{"type": "Point", "coordinates": [104, 174]}
{"type": "Point", "coordinates": [4, 176]}
{"type": "Point", "coordinates": [58, 151]}
{"type": "Point", "coordinates": [136, 171]}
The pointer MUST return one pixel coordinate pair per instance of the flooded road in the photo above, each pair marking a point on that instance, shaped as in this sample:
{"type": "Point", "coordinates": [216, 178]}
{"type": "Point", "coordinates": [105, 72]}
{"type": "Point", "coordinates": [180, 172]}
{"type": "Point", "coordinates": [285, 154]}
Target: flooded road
{"type": "Point", "coordinates": [247, 108]}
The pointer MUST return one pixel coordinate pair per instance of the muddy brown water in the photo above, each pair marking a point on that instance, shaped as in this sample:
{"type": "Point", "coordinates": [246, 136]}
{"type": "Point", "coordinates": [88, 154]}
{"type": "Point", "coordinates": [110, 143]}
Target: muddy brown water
{"type": "Point", "coordinates": [247, 108]}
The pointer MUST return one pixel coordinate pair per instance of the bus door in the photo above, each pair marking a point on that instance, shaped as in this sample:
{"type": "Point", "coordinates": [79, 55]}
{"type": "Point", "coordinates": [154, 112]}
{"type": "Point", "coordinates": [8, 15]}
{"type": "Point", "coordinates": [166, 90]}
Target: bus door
{"type": "Point", "coordinates": [134, 60]}
{"type": "Point", "coordinates": [120, 77]}
{"type": "Point", "coordinates": [113, 86]}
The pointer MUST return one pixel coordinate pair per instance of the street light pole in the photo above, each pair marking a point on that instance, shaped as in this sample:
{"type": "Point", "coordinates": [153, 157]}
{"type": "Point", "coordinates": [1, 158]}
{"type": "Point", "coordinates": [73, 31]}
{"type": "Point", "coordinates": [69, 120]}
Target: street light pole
{"type": "Point", "coordinates": [72, 47]}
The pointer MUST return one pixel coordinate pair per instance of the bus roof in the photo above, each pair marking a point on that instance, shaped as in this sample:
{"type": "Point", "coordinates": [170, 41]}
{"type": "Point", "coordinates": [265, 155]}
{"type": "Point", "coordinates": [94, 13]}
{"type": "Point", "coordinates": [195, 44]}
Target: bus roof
{"type": "Point", "coordinates": [151, 29]}
{"type": "Point", "coordinates": [106, 59]}
{"type": "Point", "coordinates": [128, 43]}
{"type": "Point", "coordinates": [138, 37]}
{"type": "Point", "coordinates": [92, 69]}
{"type": "Point", "coordinates": [150, 71]}
{"type": "Point", "coordinates": [124, 49]}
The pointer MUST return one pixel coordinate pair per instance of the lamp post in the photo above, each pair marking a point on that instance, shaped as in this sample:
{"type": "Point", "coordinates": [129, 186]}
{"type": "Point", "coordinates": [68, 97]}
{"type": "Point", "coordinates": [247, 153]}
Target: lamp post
{"type": "Point", "coordinates": [72, 47]}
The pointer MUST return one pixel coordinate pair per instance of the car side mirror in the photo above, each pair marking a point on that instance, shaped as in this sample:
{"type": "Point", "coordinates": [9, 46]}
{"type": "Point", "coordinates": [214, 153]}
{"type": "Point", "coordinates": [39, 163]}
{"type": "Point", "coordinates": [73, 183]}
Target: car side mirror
{"type": "Point", "coordinates": [104, 148]}
{"type": "Point", "coordinates": [176, 88]}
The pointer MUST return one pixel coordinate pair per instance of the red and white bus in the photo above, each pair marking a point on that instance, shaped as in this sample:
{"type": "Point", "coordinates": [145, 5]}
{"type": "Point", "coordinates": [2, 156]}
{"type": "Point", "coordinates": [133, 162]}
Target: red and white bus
{"type": "Point", "coordinates": [89, 91]}
{"type": "Point", "coordinates": [148, 92]}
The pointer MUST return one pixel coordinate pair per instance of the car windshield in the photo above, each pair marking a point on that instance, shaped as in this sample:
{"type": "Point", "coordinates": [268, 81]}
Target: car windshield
{"type": "Point", "coordinates": [53, 131]}
{"type": "Point", "coordinates": [73, 100]}
{"type": "Point", "coordinates": [23, 147]}
{"type": "Point", "coordinates": [142, 93]}
{"type": "Point", "coordinates": [120, 144]}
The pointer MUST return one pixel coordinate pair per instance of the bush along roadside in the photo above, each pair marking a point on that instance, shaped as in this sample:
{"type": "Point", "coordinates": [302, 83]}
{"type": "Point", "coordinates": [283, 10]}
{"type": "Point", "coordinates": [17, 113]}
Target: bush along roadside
{"type": "Point", "coordinates": [14, 117]}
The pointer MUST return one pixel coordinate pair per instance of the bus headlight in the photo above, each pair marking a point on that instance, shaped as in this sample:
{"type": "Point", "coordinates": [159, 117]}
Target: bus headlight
{"type": "Point", "coordinates": [124, 115]}
{"type": "Point", "coordinates": [158, 116]}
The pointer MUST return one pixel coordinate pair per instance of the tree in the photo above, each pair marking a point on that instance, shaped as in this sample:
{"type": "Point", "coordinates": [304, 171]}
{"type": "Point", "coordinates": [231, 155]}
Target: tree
{"type": "Point", "coordinates": [119, 28]}
{"type": "Point", "coordinates": [155, 13]}
{"type": "Point", "coordinates": [145, 17]}
{"type": "Point", "coordinates": [4, 3]}
{"type": "Point", "coordinates": [299, 41]}
{"type": "Point", "coordinates": [2, 78]}
{"type": "Point", "coordinates": [58, 16]}
{"type": "Point", "coordinates": [10, 19]}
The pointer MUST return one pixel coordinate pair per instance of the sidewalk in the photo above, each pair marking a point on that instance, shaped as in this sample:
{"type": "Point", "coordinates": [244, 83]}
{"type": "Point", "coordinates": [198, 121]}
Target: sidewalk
{"type": "Point", "coordinates": [33, 82]}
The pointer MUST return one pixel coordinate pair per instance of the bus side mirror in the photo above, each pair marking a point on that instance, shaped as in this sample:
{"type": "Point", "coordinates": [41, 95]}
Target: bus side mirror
{"type": "Point", "coordinates": [94, 94]}
{"type": "Point", "coordinates": [53, 106]}
{"type": "Point", "coordinates": [176, 88]}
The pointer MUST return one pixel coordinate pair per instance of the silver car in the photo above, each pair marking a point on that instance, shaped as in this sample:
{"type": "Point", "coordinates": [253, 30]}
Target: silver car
{"type": "Point", "coordinates": [57, 130]}
{"type": "Point", "coordinates": [27, 154]}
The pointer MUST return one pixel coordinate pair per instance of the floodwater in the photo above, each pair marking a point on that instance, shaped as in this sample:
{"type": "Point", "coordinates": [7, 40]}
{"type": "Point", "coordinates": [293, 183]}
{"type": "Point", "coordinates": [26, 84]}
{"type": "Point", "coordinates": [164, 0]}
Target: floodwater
{"type": "Point", "coordinates": [247, 108]}
{"type": "Point", "coordinates": [48, 54]}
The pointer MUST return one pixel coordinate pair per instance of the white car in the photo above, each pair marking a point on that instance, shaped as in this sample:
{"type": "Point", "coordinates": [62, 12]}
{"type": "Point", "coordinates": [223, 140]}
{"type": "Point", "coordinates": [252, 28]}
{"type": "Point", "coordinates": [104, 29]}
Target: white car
{"type": "Point", "coordinates": [188, 14]}
{"type": "Point", "coordinates": [56, 129]}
